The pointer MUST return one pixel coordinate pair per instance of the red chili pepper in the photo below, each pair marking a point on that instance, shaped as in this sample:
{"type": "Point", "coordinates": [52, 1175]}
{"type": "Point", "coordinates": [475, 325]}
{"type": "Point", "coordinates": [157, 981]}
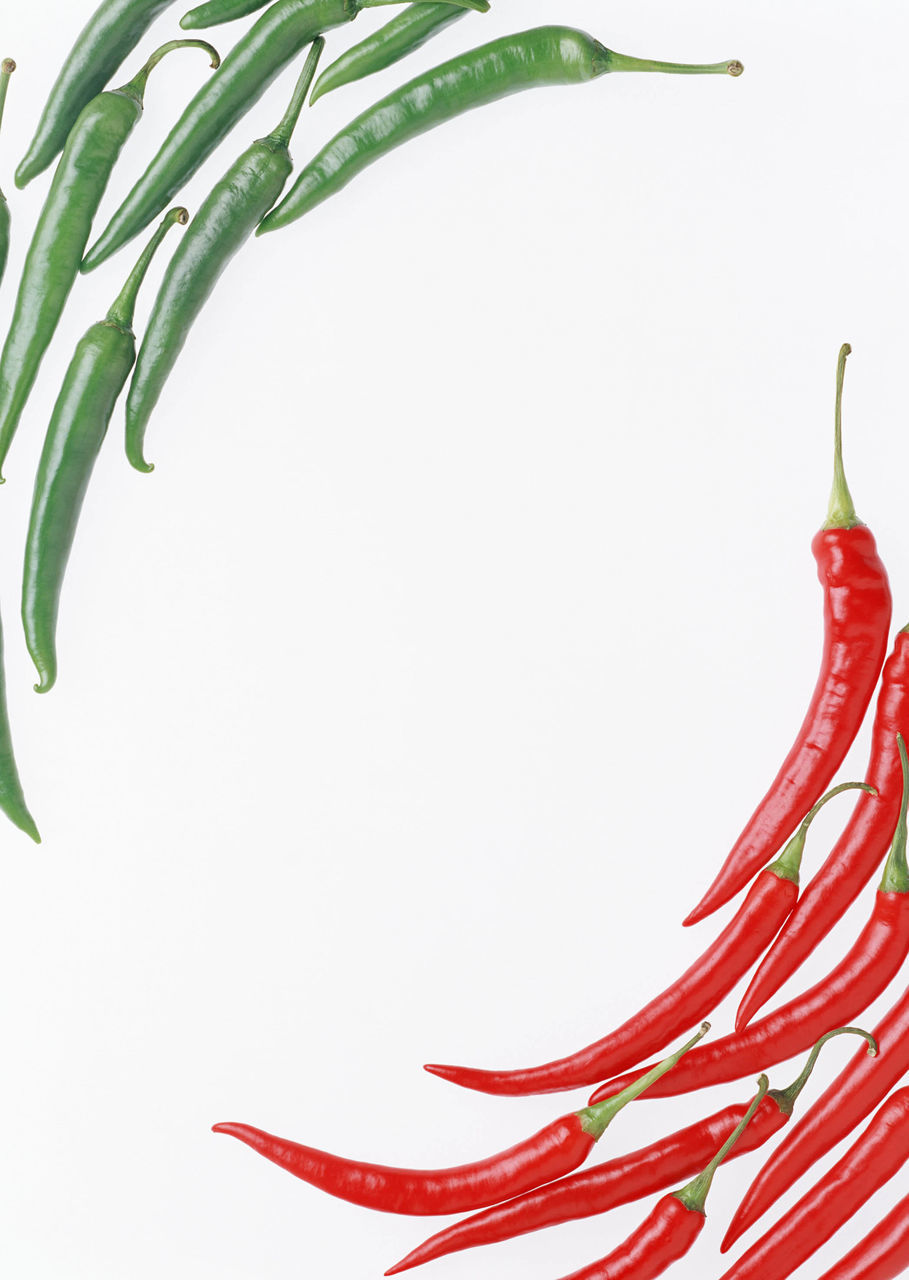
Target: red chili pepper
{"type": "Point", "coordinates": [859, 850]}
{"type": "Point", "coordinates": [853, 1095]}
{"type": "Point", "coordinates": [869, 966]}
{"type": "Point", "coordinates": [877, 1155]}
{"type": "Point", "coordinates": [618, 1181]}
{"type": "Point", "coordinates": [699, 990]}
{"type": "Point", "coordinates": [883, 1254]}
{"type": "Point", "coordinates": [556, 1149]}
{"type": "Point", "coordinates": [856, 623]}
{"type": "Point", "coordinates": [671, 1227]}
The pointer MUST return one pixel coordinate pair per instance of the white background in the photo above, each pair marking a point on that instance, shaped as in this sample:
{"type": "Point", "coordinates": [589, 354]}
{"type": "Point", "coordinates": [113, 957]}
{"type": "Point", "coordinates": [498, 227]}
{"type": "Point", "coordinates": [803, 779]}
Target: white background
{"type": "Point", "coordinates": [412, 702]}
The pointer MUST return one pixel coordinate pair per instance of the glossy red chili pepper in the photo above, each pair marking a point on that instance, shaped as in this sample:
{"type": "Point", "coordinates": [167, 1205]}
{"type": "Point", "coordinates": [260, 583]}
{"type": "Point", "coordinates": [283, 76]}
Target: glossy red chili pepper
{"type": "Point", "coordinates": [883, 1254]}
{"type": "Point", "coordinates": [859, 850]}
{"type": "Point", "coordinates": [671, 1227]}
{"type": "Point", "coordinates": [856, 623]}
{"type": "Point", "coordinates": [699, 990]}
{"type": "Point", "coordinates": [618, 1181]}
{"type": "Point", "coordinates": [853, 1095]}
{"type": "Point", "coordinates": [556, 1149]}
{"type": "Point", "coordinates": [877, 1155]}
{"type": "Point", "coordinates": [868, 967]}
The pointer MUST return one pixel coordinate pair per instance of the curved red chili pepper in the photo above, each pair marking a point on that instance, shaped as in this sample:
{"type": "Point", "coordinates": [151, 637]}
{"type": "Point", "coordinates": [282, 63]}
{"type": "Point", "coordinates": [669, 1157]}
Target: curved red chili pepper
{"type": "Point", "coordinates": [868, 967]}
{"type": "Point", "coordinates": [859, 850]}
{"type": "Point", "coordinates": [856, 622]}
{"type": "Point", "coordinates": [671, 1227]}
{"type": "Point", "coordinates": [882, 1255]}
{"type": "Point", "coordinates": [554, 1150]}
{"type": "Point", "coordinates": [699, 990]}
{"type": "Point", "coordinates": [618, 1181]}
{"type": "Point", "coordinates": [877, 1155]}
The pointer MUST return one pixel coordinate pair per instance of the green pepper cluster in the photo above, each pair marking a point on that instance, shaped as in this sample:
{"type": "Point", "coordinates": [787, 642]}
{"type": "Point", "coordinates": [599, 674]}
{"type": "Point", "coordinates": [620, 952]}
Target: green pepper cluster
{"type": "Point", "coordinates": [84, 128]}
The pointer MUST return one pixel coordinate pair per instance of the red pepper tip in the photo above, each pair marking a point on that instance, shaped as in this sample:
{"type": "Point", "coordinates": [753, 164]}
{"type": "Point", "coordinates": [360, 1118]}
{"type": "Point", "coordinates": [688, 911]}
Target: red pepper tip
{"type": "Point", "coordinates": [442, 1071]}
{"type": "Point", "coordinates": [737, 1227]}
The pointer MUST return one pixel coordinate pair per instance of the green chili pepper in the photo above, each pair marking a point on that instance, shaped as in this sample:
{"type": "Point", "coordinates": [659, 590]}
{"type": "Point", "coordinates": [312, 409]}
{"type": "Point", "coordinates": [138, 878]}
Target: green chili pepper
{"type": "Point", "coordinates": [97, 373]}
{"type": "Point", "coordinates": [407, 32]}
{"type": "Point", "coordinates": [12, 800]}
{"type": "Point", "coordinates": [215, 12]}
{"type": "Point", "coordinates": [225, 221]}
{"type": "Point", "coordinates": [64, 225]}
{"type": "Point", "coordinates": [110, 35]}
{"type": "Point", "coordinates": [247, 71]}
{"type": "Point", "coordinates": [7, 67]}
{"type": "Point", "coordinates": [542, 56]}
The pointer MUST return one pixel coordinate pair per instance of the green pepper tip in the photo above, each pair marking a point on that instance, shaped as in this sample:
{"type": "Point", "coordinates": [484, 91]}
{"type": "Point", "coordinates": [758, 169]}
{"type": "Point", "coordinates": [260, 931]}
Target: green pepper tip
{"type": "Point", "coordinates": [28, 826]}
{"type": "Point", "coordinates": [735, 68]}
{"type": "Point", "coordinates": [8, 66]}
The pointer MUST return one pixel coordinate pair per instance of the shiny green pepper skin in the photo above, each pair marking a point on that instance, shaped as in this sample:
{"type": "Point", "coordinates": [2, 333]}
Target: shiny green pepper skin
{"type": "Point", "coordinates": [97, 374]}
{"type": "Point", "coordinates": [403, 35]}
{"type": "Point", "coordinates": [226, 219]}
{"type": "Point", "coordinates": [62, 232]}
{"type": "Point", "coordinates": [530, 59]}
{"type": "Point", "coordinates": [109, 36]}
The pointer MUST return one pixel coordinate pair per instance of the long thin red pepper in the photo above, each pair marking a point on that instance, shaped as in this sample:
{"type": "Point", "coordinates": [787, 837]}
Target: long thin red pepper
{"type": "Point", "coordinates": [854, 1094]}
{"type": "Point", "coordinates": [856, 623]}
{"type": "Point", "coordinates": [621, 1180]}
{"type": "Point", "coordinates": [883, 1254]}
{"type": "Point", "coordinates": [692, 997]}
{"type": "Point", "coordinates": [876, 1156]}
{"type": "Point", "coordinates": [864, 972]}
{"type": "Point", "coordinates": [671, 1227]}
{"type": "Point", "coordinates": [556, 1149]}
{"type": "Point", "coordinates": [856, 855]}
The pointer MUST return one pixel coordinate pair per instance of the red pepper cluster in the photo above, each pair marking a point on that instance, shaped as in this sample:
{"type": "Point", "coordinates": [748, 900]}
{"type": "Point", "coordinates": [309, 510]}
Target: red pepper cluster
{"type": "Point", "coordinates": [532, 1184]}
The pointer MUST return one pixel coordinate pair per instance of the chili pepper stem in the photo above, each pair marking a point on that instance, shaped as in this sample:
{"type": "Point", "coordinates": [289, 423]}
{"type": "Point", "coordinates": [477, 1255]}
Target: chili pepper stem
{"type": "Point", "coordinates": [596, 1119]}
{"type": "Point", "coordinates": [123, 308]}
{"type": "Point", "coordinates": [896, 870]}
{"type": "Point", "coordinates": [282, 135]}
{"type": "Point", "coordinates": [135, 88]}
{"type": "Point", "coordinates": [609, 60]}
{"type": "Point", "coordinates": [841, 509]}
{"type": "Point", "coordinates": [694, 1195]}
{"type": "Point", "coordinates": [7, 67]}
{"type": "Point", "coordinates": [789, 864]}
{"type": "Point", "coordinates": [786, 1098]}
